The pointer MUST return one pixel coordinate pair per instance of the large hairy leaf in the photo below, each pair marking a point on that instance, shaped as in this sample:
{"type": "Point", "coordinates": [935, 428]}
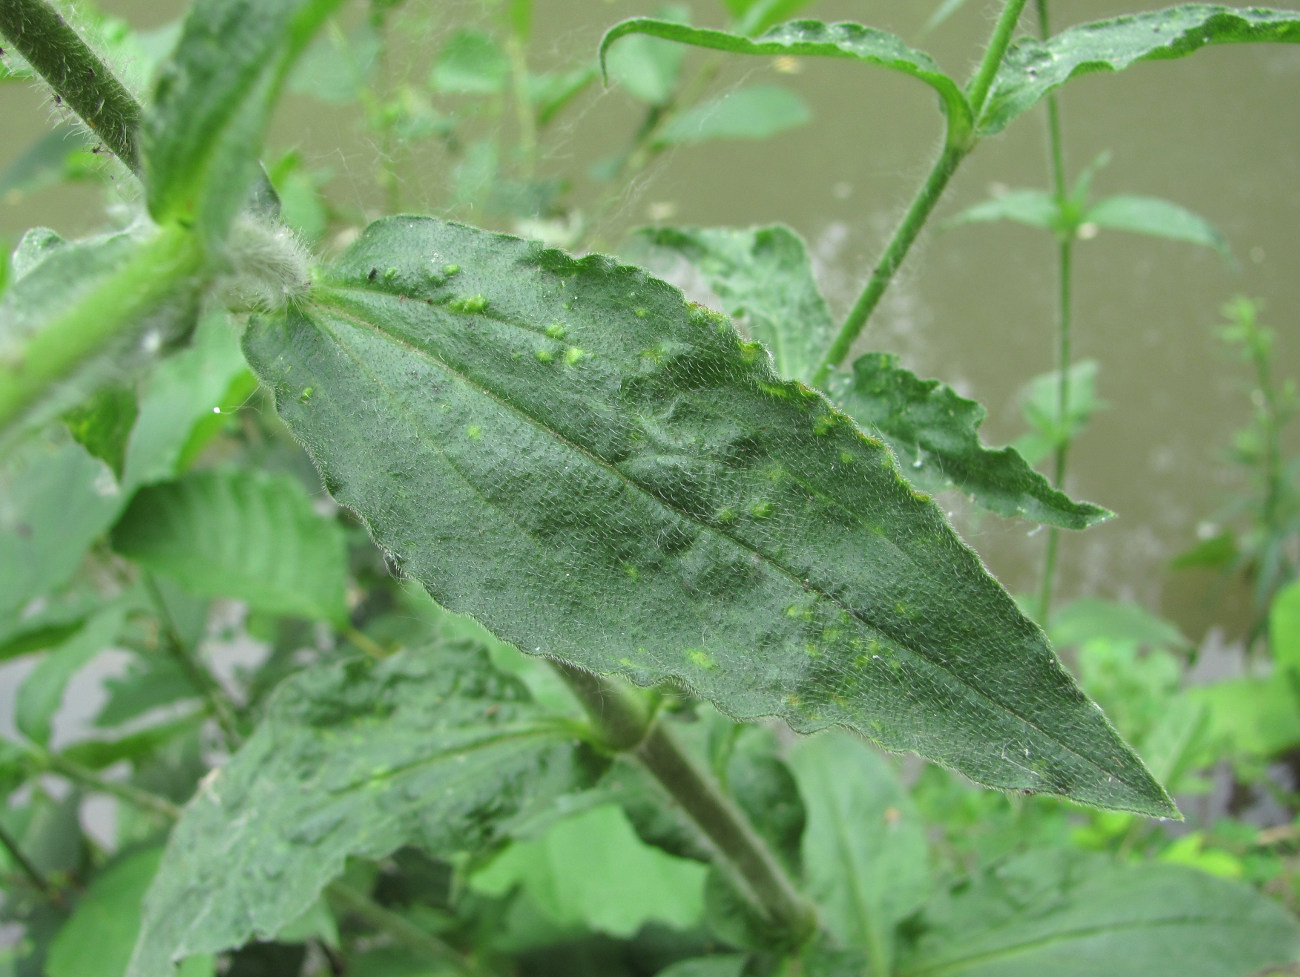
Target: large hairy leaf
{"type": "Point", "coordinates": [935, 433]}
{"type": "Point", "coordinates": [764, 278]}
{"type": "Point", "coordinates": [242, 534]}
{"type": "Point", "coordinates": [432, 748]}
{"type": "Point", "coordinates": [600, 471]}
{"type": "Point", "coordinates": [1033, 68]}
{"type": "Point", "coordinates": [212, 102]}
{"type": "Point", "coordinates": [1071, 915]}
{"type": "Point", "coordinates": [812, 38]}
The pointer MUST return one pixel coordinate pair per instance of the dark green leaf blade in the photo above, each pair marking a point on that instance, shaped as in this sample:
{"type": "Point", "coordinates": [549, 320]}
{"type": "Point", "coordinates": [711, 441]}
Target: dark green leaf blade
{"type": "Point", "coordinates": [1073, 915]}
{"type": "Point", "coordinates": [600, 471]}
{"type": "Point", "coordinates": [242, 534]}
{"type": "Point", "coordinates": [764, 278]}
{"type": "Point", "coordinates": [814, 39]}
{"type": "Point", "coordinates": [1033, 68]}
{"type": "Point", "coordinates": [432, 748]}
{"type": "Point", "coordinates": [935, 433]}
{"type": "Point", "coordinates": [1157, 218]}
{"type": "Point", "coordinates": [212, 102]}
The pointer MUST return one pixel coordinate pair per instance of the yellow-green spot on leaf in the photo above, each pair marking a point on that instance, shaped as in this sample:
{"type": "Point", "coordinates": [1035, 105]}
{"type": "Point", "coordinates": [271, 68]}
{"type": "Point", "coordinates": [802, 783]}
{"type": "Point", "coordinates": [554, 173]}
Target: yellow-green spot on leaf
{"type": "Point", "coordinates": [474, 432]}
{"type": "Point", "coordinates": [846, 458]}
{"type": "Point", "coordinates": [641, 313]}
{"type": "Point", "coordinates": [902, 609]}
{"type": "Point", "coordinates": [701, 658]}
{"type": "Point", "coordinates": [544, 355]}
{"type": "Point", "coordinates": [306, 394]}
{"type": "Point", "coordinates": [726, 515]}
{"type": "Point", "coordinates": [630, 571]}
{"type": "Point", "coordinates": [468, 303]}
{"type": "Point", "coordinates": [628, 662]}
{"type": "Point", "coordinates": [825, 425]}
{"type": "Point", "coordinates": [774, 474]}
{"type": "Point", "coordinates": [390, 274]}
{"type": "Point", "coordinates": [750, 351]}
{"type": "Point", "coordinates": [760, 510]}
{"type": "Point", "coordinates": [653, 355]}
{"type": "Point", "coordinates": [775, 390]}
{"type": "Point", "coordinates": [831, 635]}
{"type": "Point", "coordinates": [811, 650]}
{"type": "Point", "coordinates": [920, 496]}
{"type": "Point", "coordinates": [556, 330]}
{"type": "Point", "coordinates": [574, 354]}
{"type": "Point", "coordinates": [450, 269]}
{"type": "Point", "coordinates": [806, 392]}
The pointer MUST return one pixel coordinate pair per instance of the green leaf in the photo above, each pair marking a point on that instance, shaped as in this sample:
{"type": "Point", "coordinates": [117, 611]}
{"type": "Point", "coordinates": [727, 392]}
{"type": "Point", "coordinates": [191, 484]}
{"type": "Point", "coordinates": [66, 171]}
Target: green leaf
{"type": "Point", "coordinates": [1093, 619]}
{"type": "Point", "coordinates": [336, 67]}
{"type": "Point", "coordinates": [1033, 68]}
{"type": "Point", "coordinates": [103, 424]}
{"type": "Point", "coordinates": [96, 940]}
{"type": "Point", "coordinates": [942, 13]}
{"type": "Point", "coordinates": [41, 693]}
{"type": "Point", "coordinates": [935, 434]}
{"type": "Point", "coordinates": [754, 16]}
{"type": "Point", "coordinates": [592, 870]}
{"type": "Point", "coordinates": [1157, 218]}
{"type": "Point", "coordinates": [1284, 627]}
{"type": "Point", "coordinates": [1040, 402]}
{"type": "Point", "coordinates": [551, 92]}
{"type": "Point", "coordinates": [470, 63]}
{"type": "Point", "coordinates": [864, 848]}
{"type": "Point", "coordinates": [1036, 208]}
{"type": "Point", "coordinates": [1069, 915]}
{"type": "Point", "coordinates": [1252, 717]}
{"type": "Point", "coordinates": [755, 112]}
{"type": "Point", "coordinates": [764, 277]}
{"type": "Point", "coordinates": [486, 405]}
{"type": "Point", "coordinates": [814, 39]}
{"type": "Point", "coordinates": [46, 627]}
{"type": "Point", "coordinates": [243, 534]}
{"type": "Point", "coordinates": [214, 96]}
{"type": "Point", "coordinates": [647, 67]}
{"type": "Point", "coordinates": [149, 682]}
{"type": "Point", "coordinates": [98, 754]}
{"type": "Point", "coordinates": [57, 502]}
{"type": "Point", "coordinates": [431, 748]}
{"type": "Point", "coordinates": [718, 965]}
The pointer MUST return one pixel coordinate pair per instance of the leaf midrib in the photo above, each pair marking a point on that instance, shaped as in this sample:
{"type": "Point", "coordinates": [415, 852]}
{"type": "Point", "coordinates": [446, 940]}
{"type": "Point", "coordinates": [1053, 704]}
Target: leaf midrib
{"type": "Point", "coordinates": [340, 289]}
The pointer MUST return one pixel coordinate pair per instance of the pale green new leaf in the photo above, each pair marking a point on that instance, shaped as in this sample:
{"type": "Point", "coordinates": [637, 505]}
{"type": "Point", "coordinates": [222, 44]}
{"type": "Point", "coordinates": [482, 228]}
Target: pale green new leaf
{"type": "Point", "coordinates": [470, 63]}
{"type": "Point", "coordinates": [1032, 68]}
{"type": "Point", "coordinates": [591, 870]}
{"type": "Point", "coordinates": [1036, 208]}
{"type": "Point", "coordinates": [1040, 402]}
{"type": "Point", "coordinates": [1284, 627]}
{"type": "Point", "coordinates": [1157, 218]}
{"type": "Point", "coordinates": [864, 849]}
{"type": "Point", "coordinates": [755, 112]}
{"type": "Point", "coordinates": [1069, 914]}
{"type": "Point", "coordinates": [811, 38]}
{"type": "Point", "coordinates": [239, 533]}
{"type": "Point", "coordinates": [765, 279]}
{"type": "Point", "coordinates": [935, 433]}
{"type": "Point", "coordinates": [648, 67]}
{"type": "Point", "coordinates": [432, 748]}
{"type": "Point", "coordinates": [602, 472]}
{"type": "Point", "coordinates": [212, 102]}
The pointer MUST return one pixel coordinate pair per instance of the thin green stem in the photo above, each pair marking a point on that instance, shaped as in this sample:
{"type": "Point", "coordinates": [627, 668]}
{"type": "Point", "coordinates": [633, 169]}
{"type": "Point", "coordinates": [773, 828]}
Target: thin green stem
{"type": "Point", "coordinates": [527, 124]}
{"type": "Point", "coordinates": [79, 78]}
{"type": "Point", "coordinates": [105, 313]}
{"type": "Point", "coordinates": [626, 725]}
{"type": "Point", "coordinates": [29, 868]}
{"type": "Point", "coordinates": [904, 236]}
{"type": "Point", "coordinates": [978, 91]}
{"type": "Point", "coordinates": [124, 792]}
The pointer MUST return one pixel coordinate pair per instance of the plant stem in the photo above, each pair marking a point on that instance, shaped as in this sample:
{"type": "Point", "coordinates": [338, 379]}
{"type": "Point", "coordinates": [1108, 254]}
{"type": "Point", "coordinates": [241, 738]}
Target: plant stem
{"type": "Point", "coordinates": [895, 252]}
{"type": "Point", "coordinates": [79, 78]}
{"type": "Point", "coordinates": [625, 725]}
{"type": "Point", "coordinates": [125, 792]}
{"type": "Point", "coordinates": [47, 889]}
{"type": "Point", "coordinates": [978, 90]}
{"type": "Point", "coordinates": [103, 314]}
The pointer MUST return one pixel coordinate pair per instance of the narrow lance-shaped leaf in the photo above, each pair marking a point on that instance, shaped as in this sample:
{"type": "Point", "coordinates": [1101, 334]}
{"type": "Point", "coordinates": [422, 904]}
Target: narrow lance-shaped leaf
{"type": "Point", "coordinates": [602, 472]}
{"type": "Point", "coordinates": [212, 103]}
{"type": "Point", "coordinates": [432, 748]}
{"type": "Point", "coordinates": [1157, 218]}
{"type": "Point", "coordinates": [814, 39]}
{"type": "Point", "coordinates": [1032, 68]}
{"type": "Point", "coordinates": [935, 433]}
{"type": "Point", "coordinates": [763, 277]}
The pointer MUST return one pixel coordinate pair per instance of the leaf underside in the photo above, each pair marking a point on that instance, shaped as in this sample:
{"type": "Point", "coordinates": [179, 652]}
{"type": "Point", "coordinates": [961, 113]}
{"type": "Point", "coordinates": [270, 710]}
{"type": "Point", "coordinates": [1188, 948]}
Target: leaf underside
{"type": "Point", "coordinates": [934, 432]}
{"type": "Point", "coordinates": [602, 472]}
{"type": "Point", "coordinates": [1032, 68]}
{"type": "Point", "coordinates": [429, 747]}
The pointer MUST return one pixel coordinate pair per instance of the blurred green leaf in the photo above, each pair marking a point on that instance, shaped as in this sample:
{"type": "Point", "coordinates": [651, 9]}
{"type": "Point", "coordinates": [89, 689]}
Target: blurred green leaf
{"type": "Point", "coordinates": [718, 965]}
{"type": "Point", "coordinates": [864, 847]}
{"type": "Point", "coordinates": [1032, 68]}
{"type": "Point", "coordinates": [98, 754]}
{"type": "Point", "coordinates": [149, 682]}
{"type": "Point", "coordinates": [688, 515]}
{"type": "Point", "coordinates": [103, 424]}
{"type": "Point", "coordinates": [764, 277]}
{"type": "Point", "coordinates": [97, 939]}
{"type": "Point", "coordinates": [649, 68]}
{"type": "Point", "coordinates": [935, 434]}
{"type": "Point", "coordinates": [1218, 553]}
{"type": "Point", "coordinates": [1093, 619]}
{"type": "Point", "coordinates": [336, 66]}
{"type": "Point", "coordinates": [1252, 717]}
{"type": "Point", "coordinates": [592, 870]}
{"type": "Point", "coordinates": [470, 63]}
{"type": "Point", "coordinates": [432, 748]}
{"type": "Point", "coordinates": [942, 13]}
{"type": "Point", "coordinates": [1040, 403]}
{"type": "Point", "coordinates": [551, 92]}
{"type": "Point", "coordinates": [1284, 627]}
{"type": "Point", "coordinates": [756, 16]}
{"type": "Point", "coordinates": [44, 163]}
{"type": "Point", "coordinates": [239, 533]}
{"type": "Point", "coordinates": [1156, 218]}
{"type": "Point", "coordinates": [41, 693]}
{"type": "Point", "coordinates": [1071, 915]}
{"type": "Point", "coordinates": [1035, 208]}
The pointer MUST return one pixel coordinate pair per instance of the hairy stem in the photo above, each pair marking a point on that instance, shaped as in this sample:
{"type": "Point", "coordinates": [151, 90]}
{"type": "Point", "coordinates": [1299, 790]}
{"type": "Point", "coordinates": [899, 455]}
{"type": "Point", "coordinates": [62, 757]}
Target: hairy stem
{"type": "Point", "coordinates": [625, 725]}
{"type": "Point", "coordinates": [104, 314]}
{"type": "Point", "coordinates": [79, 78]}
{"type": "Point", "coordinates": [978, 91]}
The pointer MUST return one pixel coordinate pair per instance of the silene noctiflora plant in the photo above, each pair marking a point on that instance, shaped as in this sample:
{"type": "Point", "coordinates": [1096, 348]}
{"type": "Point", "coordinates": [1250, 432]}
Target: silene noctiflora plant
{"type": "Point", "coordinates": [692, 527]}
